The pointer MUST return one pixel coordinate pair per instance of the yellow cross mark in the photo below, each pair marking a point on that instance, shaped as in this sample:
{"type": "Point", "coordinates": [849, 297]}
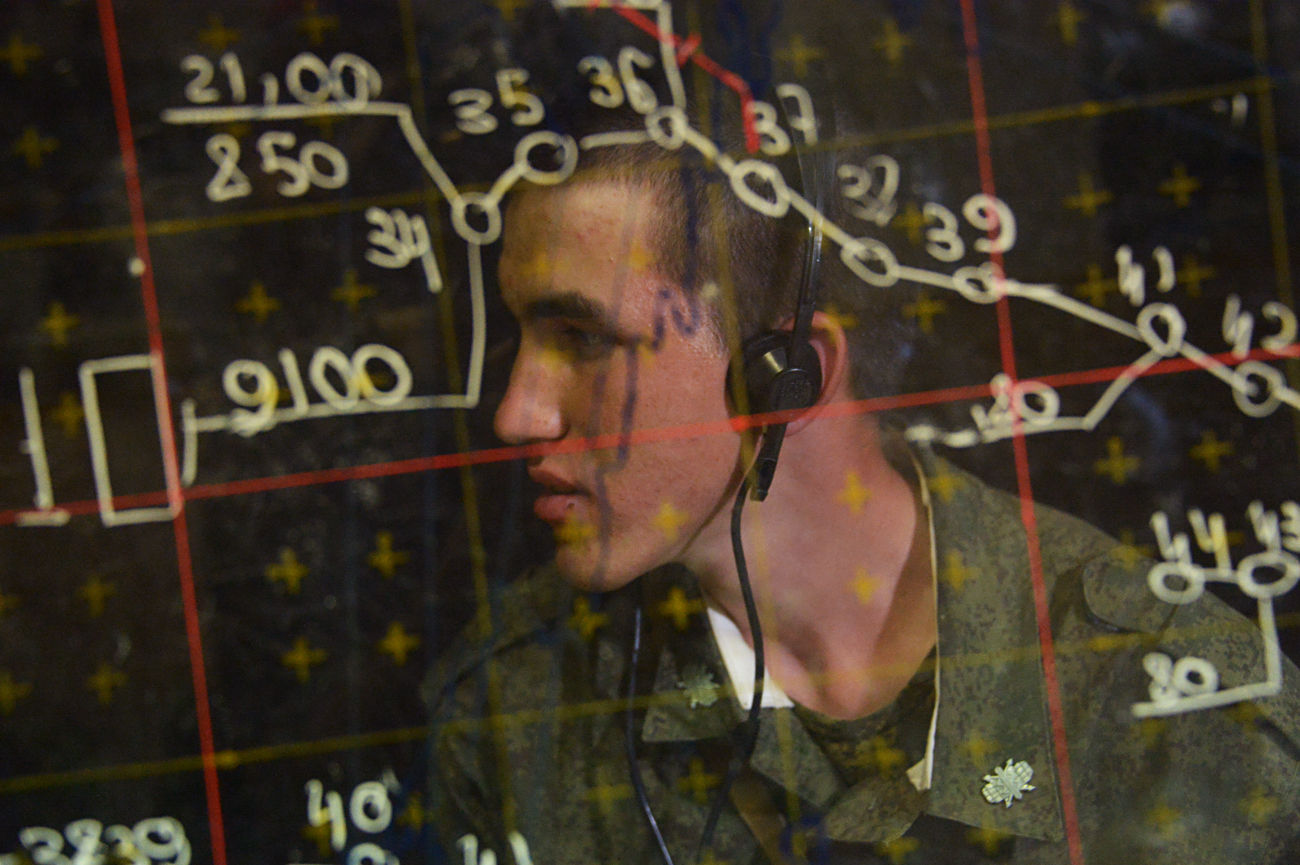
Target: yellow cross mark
{"type": "Point", "coordinates": [95, 591]}
{"type": "Point", "coordinates": [911, 220]}
{"type": "Point", "coordinates": [678, 608]}
{"type": "Point", "coordinates": [893, 41]}
{"type": "Point", "coordinates": [509, 8]}
{"type": "Point", "coordinates": [864, 585]}
{"type": "Point", "coordinates": [605, 795]}
{"type": "Point", "coordinates": [320, 836]}
{"type": "Point", "coordinates": [583, 620]}
{"type": "Point", "coordinates": [398, 643]}
{"type": "Point", "coordinates": [11, 692]}
{"type": "Point", "coordinates": [988, 838]}
{"type": "Point", "coordinates": [1210, 451]}
{"type": "Point", "coordinates": [854, 494]}
{"type": "Point", "coordinates": [955, 572]}
{"type": "Point", "coordinates": [18, 52]}
{"type": "Point", "coordinates": [68, 414]}
{"type": "Point", "coordinates": [258, 304]}
{"type": "Point", "coordinates": [898, 850]}
{"type": "Point", "coordinates": [1180, 187]}
{"type": "Point", "coordinates": [880, 753]}
{"type": "Point", "coordinates": [218, 35]}
{"type": "Point", "coordinates": [1129, 552]}
{"type": "Point", "coordinates": [1245, 713]}
{"type": "Point", "coordinates": [352, 292]}
{"type": "Point", "coordinates": [288, 570]}
{"type": "Point", "coordinates": [1150, 731]}
{"type": "Point", "coordinates": [301, 658]}
{"type": "Point", "coordinates": [1096, 289]}
{"type": "Point", "coordinates": [1259, 806]}
{"type": "Point", "coordinates": [414, 815]}
{"type": "Point", "coordinates": [314, 24]}
{"type": "Point", "coordinates": [698, 782]}
{"type": "Point", "coordinates": [846, 320]}
{"type": "Point", "coordinates": [639, 258]}
{"type": "Point", "coordinates": [1163, 818]}
{"type": "Point", "coordinates": [1116, 464]}
{"type": "Point", "coordinates": [798, 53]}
{"type": "Point", "coordinates": [944, 484]}
{"type": "Point", "coordinates": [57, 323]}
{"type": "Point", "coordinates": [924, 311]}
{"type": "Point", "coordinates": [1068, 19]}
{"type": "Point", "coordinates": [1192, 274]}
{"type": "Point", "coordinates": [104, 681]}
{"type": "Point", "coordinates": [384, 558]}
{"type": "Point", "coordinates": [979, 750]}
{"type": "Point", "coordinates": [574, 531]}
{"type": "Point", "coordinates": [32, 147]}
{"type": "Point", "coordinates": [669, 520]}
{"type": "Point", "coordinates": [9, 602]}
{"type": "Point", "coordinates": [1088, 199]}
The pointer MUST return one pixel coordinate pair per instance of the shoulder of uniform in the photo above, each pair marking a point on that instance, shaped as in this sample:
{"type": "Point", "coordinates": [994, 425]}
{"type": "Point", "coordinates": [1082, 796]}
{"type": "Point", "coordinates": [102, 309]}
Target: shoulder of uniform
{"type": "Point", "coordinates": [535, 603]}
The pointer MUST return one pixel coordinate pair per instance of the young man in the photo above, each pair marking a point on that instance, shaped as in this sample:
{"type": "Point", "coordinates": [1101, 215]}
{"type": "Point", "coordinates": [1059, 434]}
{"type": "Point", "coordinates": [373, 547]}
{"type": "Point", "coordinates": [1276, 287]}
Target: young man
{"type": "Point", "coordinates": [907, 719]}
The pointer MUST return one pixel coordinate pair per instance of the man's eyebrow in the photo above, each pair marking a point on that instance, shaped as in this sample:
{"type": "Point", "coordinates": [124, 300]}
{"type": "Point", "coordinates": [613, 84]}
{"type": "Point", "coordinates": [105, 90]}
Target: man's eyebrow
{"type": "Point", "coordinates": [570, 305]}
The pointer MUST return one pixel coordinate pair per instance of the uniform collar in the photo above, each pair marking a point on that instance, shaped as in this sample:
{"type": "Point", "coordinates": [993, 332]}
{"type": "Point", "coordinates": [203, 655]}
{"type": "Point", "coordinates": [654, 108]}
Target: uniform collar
{"type": "Point", "coordinates": [994, 702]}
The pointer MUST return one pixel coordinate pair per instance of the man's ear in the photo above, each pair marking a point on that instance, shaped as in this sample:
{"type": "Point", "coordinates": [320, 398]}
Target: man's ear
{"type": "Point", "coordinates": [827, 338]}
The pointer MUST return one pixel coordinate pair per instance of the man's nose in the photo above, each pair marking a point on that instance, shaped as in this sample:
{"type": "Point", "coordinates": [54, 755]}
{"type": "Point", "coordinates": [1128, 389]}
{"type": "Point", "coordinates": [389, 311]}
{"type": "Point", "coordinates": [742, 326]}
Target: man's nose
{"type": "Point", "coordinates": [530, 410]}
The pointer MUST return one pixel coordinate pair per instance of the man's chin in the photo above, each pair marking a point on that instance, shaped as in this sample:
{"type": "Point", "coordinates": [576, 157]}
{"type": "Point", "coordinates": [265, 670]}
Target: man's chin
{"type": "Point", "coordinates": [583, 570]}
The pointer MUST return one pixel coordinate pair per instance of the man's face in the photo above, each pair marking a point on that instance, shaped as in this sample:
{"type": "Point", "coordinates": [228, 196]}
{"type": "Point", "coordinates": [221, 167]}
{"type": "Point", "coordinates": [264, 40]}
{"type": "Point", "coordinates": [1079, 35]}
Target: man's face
{"type": "Point", "coordinates": [578, 273]}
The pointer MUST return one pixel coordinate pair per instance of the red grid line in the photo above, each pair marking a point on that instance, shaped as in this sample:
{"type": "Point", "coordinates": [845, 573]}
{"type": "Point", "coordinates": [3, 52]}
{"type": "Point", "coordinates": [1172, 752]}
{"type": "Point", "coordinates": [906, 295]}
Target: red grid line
{"type": "Point", "coordinates": [636, 437]}
{"type": "Point", "coordinates": [175, 496]}
{"type": "Point", "coordinates": [983, 147]}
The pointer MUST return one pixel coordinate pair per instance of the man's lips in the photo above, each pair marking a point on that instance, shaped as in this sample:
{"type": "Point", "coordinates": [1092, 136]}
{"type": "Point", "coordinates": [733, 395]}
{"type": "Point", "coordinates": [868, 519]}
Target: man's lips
{"type": "Point", "coordinates": [561, 496]}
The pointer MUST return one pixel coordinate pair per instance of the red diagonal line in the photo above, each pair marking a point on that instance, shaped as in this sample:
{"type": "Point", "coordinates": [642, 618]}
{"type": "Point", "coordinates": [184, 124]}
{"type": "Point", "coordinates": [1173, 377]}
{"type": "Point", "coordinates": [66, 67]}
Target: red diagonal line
{"type": "Point", "coordinates": [149, 297]}
{"type": "Point", "coordinates": [712, 67]}
{"type": "Point", "coordinates": [687, 48]}
{"type": "Point", "coordinates": [979, 112]}
{"type": "Point", "coordinates": [637, 437]}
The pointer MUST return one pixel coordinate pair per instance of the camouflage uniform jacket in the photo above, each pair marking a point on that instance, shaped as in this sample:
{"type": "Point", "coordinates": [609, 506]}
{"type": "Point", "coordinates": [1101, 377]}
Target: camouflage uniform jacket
{"type": "Point", "coordinates": [528, 725]}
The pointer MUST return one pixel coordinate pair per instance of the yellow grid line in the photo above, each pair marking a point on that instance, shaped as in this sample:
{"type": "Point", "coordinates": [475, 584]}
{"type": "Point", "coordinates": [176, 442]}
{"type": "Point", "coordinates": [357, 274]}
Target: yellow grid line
{"type": "Point", "coordinates": [231, 759]}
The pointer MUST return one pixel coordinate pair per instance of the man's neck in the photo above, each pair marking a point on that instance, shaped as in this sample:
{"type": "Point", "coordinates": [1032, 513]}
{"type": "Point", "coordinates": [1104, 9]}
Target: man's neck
{"type": "Point", "coordinates": [839, 558]}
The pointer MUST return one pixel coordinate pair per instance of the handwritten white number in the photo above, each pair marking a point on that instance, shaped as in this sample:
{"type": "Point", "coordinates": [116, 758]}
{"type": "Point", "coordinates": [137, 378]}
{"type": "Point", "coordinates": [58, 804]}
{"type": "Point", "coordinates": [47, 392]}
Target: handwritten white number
{"type": "Point", "coordinates": [640, 95]}
{"type": "Point", "coordinates": [163, 838]}
{"type": "Point", "coordinates": [774, 139]}
{"type": "Point", "coordinates": [991, 215]}
{"type": "Point", "coordinates": [606, 91]}
{"type": "Point", "coordinates": [510, 84]}
{"type": "Point", "coordinates": [44, 845]}
{"type": "Point", "coordinates": [366, 82]}
{"type": "Point", "coordinates": [303, 172]}
{"type": "Point", "coordinates": [308, 62]}
{"type": "Point", "coordinates": [472, 105]}
{"type": "Point", "coordinates": [122, 842]}
{"type": "Point", "coordinates": [943, 242]}
{"type": "Point", "coordinates": [332, 813]}
{"type": "Point", "coordinates": [270, 89]}
{"type": "Point", "coordinates": [370, 808]}
{"type": "Point", "coordinates": [229, 182]}
{"type": "Point", "coordinates": [199, 89]}
{"type": "Point", "coordinates": [235, 75]}
{"type": "Point", "coordinates": [804, 120]}
{"type": "Point", "coordinates": [878, 207]}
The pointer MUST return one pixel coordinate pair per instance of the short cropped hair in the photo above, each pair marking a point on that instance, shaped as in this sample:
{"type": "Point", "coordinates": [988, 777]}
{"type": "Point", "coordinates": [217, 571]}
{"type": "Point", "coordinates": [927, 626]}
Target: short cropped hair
{"type": "Point", "coordinates": [745, 268]}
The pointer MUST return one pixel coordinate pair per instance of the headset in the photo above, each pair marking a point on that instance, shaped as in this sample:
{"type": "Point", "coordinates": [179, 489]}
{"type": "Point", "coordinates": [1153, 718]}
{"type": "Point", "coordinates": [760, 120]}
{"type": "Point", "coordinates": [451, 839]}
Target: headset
{"type": "Point", "coordinates": [779, 371]}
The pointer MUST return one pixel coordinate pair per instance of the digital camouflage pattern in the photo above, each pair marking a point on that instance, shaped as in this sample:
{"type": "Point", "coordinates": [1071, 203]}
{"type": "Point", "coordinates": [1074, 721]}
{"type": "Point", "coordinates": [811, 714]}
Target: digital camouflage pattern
{"type": "Point", "coordinates": [527, 724]}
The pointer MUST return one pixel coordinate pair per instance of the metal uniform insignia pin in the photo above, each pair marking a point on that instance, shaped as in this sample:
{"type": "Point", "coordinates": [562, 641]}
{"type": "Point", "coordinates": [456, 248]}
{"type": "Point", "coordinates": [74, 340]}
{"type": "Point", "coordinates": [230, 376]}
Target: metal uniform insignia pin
{"type": "Point", "coordinates": [699, 686]}
{"type": "Point", "coordinates": [1008, 782]}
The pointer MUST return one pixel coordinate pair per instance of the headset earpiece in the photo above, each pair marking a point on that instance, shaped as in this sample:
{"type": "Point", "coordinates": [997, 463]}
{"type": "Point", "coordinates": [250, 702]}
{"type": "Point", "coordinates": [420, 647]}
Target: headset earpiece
{"type": "Point", "coordinates": [777, 376]}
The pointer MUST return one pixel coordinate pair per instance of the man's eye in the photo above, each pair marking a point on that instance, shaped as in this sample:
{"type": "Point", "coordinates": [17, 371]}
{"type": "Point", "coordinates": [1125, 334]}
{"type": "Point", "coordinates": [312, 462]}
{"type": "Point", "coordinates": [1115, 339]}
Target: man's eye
{"type": "Point", "coordinates": [586, 344]}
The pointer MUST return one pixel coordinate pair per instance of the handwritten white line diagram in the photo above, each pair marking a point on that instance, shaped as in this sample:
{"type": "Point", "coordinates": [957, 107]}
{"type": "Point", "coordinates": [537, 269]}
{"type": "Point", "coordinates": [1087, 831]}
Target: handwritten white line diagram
{"type": "Point", "coordinates": [1158, 330]}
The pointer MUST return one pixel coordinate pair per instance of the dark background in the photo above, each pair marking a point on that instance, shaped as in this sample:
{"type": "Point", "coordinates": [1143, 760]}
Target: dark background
{"type": "Point", "coordinates": [1119, 95]}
